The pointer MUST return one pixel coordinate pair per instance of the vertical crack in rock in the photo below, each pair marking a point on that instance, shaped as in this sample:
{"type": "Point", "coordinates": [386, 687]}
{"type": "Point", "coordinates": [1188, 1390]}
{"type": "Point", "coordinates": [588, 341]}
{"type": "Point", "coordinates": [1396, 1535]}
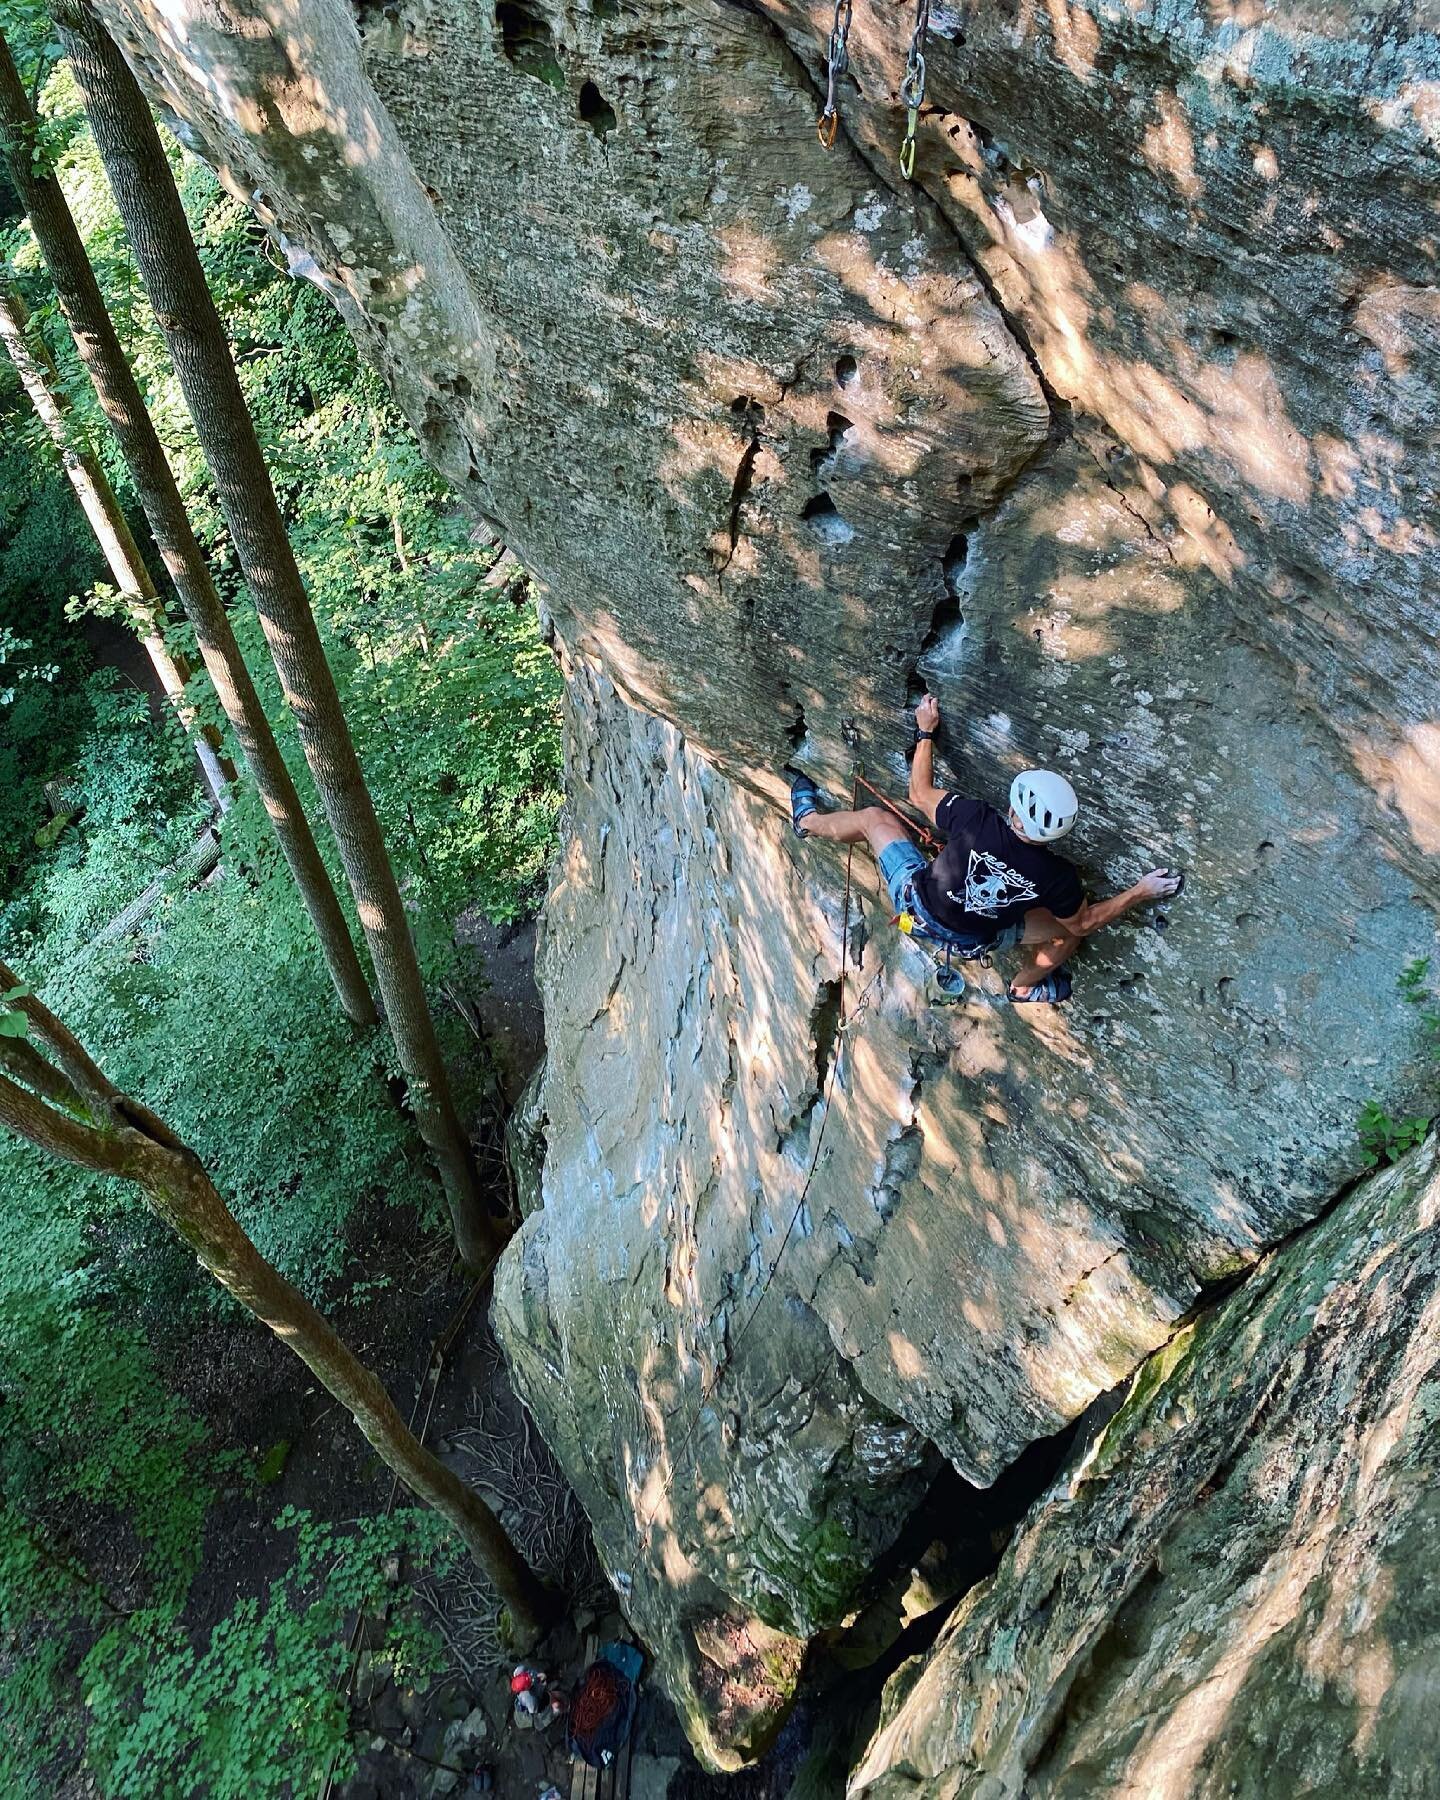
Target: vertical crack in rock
{"type": "Point", "coordinates": [794, 1138]}
{"type": "Point", "coordinates": [751, 415]}
{"type": "Point", "coordinates": [947, 621]}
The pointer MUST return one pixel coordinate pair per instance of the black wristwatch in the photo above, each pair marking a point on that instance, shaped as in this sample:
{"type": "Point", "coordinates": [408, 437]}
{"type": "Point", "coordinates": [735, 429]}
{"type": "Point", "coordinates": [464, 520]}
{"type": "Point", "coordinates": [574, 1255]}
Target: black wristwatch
{"type": "Point", "coordinates": [924, 737]}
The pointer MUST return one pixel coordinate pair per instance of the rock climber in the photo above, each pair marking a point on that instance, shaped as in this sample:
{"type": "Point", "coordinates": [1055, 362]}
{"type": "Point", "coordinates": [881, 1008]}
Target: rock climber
{"type": "Point", "coordinates": [996, 883]}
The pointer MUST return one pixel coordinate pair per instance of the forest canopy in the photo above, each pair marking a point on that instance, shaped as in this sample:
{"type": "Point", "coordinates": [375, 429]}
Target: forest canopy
{"type": "Point", "coordinates": [123, 1461]}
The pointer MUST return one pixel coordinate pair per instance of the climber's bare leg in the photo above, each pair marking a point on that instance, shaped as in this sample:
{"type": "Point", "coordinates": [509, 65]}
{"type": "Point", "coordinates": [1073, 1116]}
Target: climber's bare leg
{"type": "Point", "coordinates": [1047, 946]}
{"type": "Point", "coordinates": [870, 825]}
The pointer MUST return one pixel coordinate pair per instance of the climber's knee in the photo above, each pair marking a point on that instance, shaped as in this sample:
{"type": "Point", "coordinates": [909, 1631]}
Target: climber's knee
{"type": "Point", "coordinates": [880, 827]}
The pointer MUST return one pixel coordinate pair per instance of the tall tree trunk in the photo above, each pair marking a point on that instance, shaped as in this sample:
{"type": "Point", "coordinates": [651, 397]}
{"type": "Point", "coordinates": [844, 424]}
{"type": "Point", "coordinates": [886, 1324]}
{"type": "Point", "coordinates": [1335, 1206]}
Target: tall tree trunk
{"type": "Point", "coordinates": [170, 268]}
{"type": "Point", "coordinates": [124, 407]}
{"type": "Point", "coordinates": [28, 352]}
{"type": "Point", "coordinates": [103, 1129]}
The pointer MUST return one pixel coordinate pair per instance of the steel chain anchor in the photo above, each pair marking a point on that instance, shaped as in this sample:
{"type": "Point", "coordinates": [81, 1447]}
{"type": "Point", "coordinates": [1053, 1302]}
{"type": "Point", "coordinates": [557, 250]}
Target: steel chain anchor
{"type": "Point", "coordinates": [828, 123]}
{"type": "Point", "coordinates": [912, 88]}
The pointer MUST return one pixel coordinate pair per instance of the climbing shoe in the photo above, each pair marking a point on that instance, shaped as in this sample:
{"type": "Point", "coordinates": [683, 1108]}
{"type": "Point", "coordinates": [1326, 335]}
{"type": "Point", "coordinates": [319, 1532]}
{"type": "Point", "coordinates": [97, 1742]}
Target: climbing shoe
{"type": "Point", "coordinates": [1054, 990]}
{"type": "Point", "coordinates": [804, 800]}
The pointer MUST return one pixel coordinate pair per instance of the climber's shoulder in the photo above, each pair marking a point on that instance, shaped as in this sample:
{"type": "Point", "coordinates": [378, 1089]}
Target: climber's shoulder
{"type": "Point", "coordinates": [958, 812]}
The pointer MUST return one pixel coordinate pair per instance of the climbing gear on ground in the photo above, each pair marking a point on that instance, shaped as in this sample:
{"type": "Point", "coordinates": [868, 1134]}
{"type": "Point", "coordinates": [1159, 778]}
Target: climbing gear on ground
{"type": "Point", "coordinates": [838, 61]}
{"type": "Point", "coordinates": [603, 1708]}
{"type": "Point", "coordinates": [804, 800]}
{"type": "Point", "coordinates": [912, 88]}
{"type": "Point", "coordinates": [1054, 990]}
{"type": "Point", "coordinates": [1045, 803]}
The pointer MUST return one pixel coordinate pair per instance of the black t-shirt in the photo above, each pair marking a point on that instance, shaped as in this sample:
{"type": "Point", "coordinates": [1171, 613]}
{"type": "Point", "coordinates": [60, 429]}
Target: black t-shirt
{"type": "Point", "coordinates": [988, 876]}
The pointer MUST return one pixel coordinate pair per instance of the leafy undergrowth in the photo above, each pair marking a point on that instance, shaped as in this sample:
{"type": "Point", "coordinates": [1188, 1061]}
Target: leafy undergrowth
{"type": "Point", "coordinates": [260, 1708]}
{"type": "Point", "coordinates": [165, 1628]}
{"type": "Point", "coordinates": [1383, 1138]}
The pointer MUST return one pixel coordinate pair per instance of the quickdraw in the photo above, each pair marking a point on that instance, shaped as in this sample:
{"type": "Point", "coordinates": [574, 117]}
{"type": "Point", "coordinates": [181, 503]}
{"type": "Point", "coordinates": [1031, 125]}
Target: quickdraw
{"type": "Point", "coordinates": [912, 88]}
{"type": "Point", "coordinates": [838, 60]}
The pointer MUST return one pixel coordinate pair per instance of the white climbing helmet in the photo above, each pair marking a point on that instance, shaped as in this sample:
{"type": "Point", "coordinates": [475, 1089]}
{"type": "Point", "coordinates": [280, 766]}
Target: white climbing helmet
{"type": "Point", "coordinates": [1044, 803]}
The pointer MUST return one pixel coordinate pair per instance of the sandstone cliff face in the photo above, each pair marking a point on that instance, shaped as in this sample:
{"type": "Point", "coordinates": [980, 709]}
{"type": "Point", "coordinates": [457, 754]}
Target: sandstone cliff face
{"type": "Point", "coordinates": [1231, 1592]}
{"type": "Point", "coordinates": [1115, 429]}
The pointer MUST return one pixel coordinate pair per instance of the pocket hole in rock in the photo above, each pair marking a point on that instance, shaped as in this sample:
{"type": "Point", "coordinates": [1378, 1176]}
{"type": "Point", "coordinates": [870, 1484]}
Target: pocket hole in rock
{"type": "Point", "coordinates": [597, 111]}
{"type": "Point", "coordinates": [527, 41]}
{"type": "Point", "coordinates": [823, 517]}
{"type": "Point", "coordinates": [846, 369]}
{"type": "Point", "coordinates": [836, 424]}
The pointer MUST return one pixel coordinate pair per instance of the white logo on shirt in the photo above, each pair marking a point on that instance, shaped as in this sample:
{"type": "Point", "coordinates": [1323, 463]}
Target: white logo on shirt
{"type": "Point", "coordinates": [990, 886]}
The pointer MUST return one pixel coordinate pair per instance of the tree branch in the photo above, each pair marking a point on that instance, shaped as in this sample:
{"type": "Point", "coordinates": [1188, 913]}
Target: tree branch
{"type": "Point", "coordinates": [66, 1048]}
{"type": "Point", "coordinates": [26, 1064]}
{"type": "Point", "coordinates": [30, 1118]}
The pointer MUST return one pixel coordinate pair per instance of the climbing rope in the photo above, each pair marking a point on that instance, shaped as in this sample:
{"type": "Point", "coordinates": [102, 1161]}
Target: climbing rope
{"type": "Point", "coordinates": [838, 62]}
{"type": "Point", "coordinates": [921, 830]}
{"type": "Point", "coordinates": [709, 1388]}
{"type": "Point", "coordinates": [912, 88]}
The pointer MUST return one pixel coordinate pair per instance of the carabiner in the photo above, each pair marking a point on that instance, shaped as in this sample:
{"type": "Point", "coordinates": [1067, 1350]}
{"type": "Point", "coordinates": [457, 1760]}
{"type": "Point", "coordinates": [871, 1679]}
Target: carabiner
{"type": "Point", "coordinates": [907, 148]}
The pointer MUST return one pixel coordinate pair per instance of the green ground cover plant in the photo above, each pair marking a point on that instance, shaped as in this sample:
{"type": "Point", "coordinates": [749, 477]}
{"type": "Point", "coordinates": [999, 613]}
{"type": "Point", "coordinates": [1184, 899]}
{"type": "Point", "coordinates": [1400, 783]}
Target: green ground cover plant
{"type": "Point", "coordinates": [217, 1011]}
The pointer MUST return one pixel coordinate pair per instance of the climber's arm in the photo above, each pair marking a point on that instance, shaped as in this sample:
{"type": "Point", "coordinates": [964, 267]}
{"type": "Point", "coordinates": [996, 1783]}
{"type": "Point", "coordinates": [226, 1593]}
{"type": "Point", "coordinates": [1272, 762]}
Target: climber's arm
{"type": "Point", "coordinates": [923, 792]}
{"type": "Point", "coordinates": [1095, 915]}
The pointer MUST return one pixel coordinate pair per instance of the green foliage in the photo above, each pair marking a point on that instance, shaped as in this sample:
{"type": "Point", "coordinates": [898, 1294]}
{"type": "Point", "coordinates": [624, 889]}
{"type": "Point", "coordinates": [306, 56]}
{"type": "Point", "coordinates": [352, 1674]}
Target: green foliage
{"type": "Point", "coordinates": [1384, 1139]}
{"type": "Point", "coordinates": [271, 1465]}
{"type": "Point", "coordinates": [258, 1711]}
{"type": "Point", "coordinates": [1415, 991]}
{"type": "Point", "coordinates": [89, 1423]}
{"type": "Point", "coordinates": [13, 1022]}
{"type": "Point", "coordinates": [218, 1013]}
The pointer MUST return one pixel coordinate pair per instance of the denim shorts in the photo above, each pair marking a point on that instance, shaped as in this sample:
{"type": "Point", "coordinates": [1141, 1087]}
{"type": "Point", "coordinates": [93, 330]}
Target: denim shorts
{"type": "Point", "coordinates": [900, 863]}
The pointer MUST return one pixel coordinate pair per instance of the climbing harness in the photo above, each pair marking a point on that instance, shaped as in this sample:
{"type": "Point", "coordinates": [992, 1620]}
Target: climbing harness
{"type": "Point", "coordinates": [949, 978]}
{"type": "Point", "coordinates": [912, 88]}
{"type": "Point", "coordinates": [838, 62]}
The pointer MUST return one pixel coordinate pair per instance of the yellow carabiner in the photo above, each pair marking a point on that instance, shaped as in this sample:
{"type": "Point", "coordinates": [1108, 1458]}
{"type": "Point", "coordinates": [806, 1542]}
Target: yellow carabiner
{"type": "Point", "coordinates": [833, 121]}
{"type": "Point", "coordinates": [907, 149]}
{"type": "Point", "coordinates": [906, 922]}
